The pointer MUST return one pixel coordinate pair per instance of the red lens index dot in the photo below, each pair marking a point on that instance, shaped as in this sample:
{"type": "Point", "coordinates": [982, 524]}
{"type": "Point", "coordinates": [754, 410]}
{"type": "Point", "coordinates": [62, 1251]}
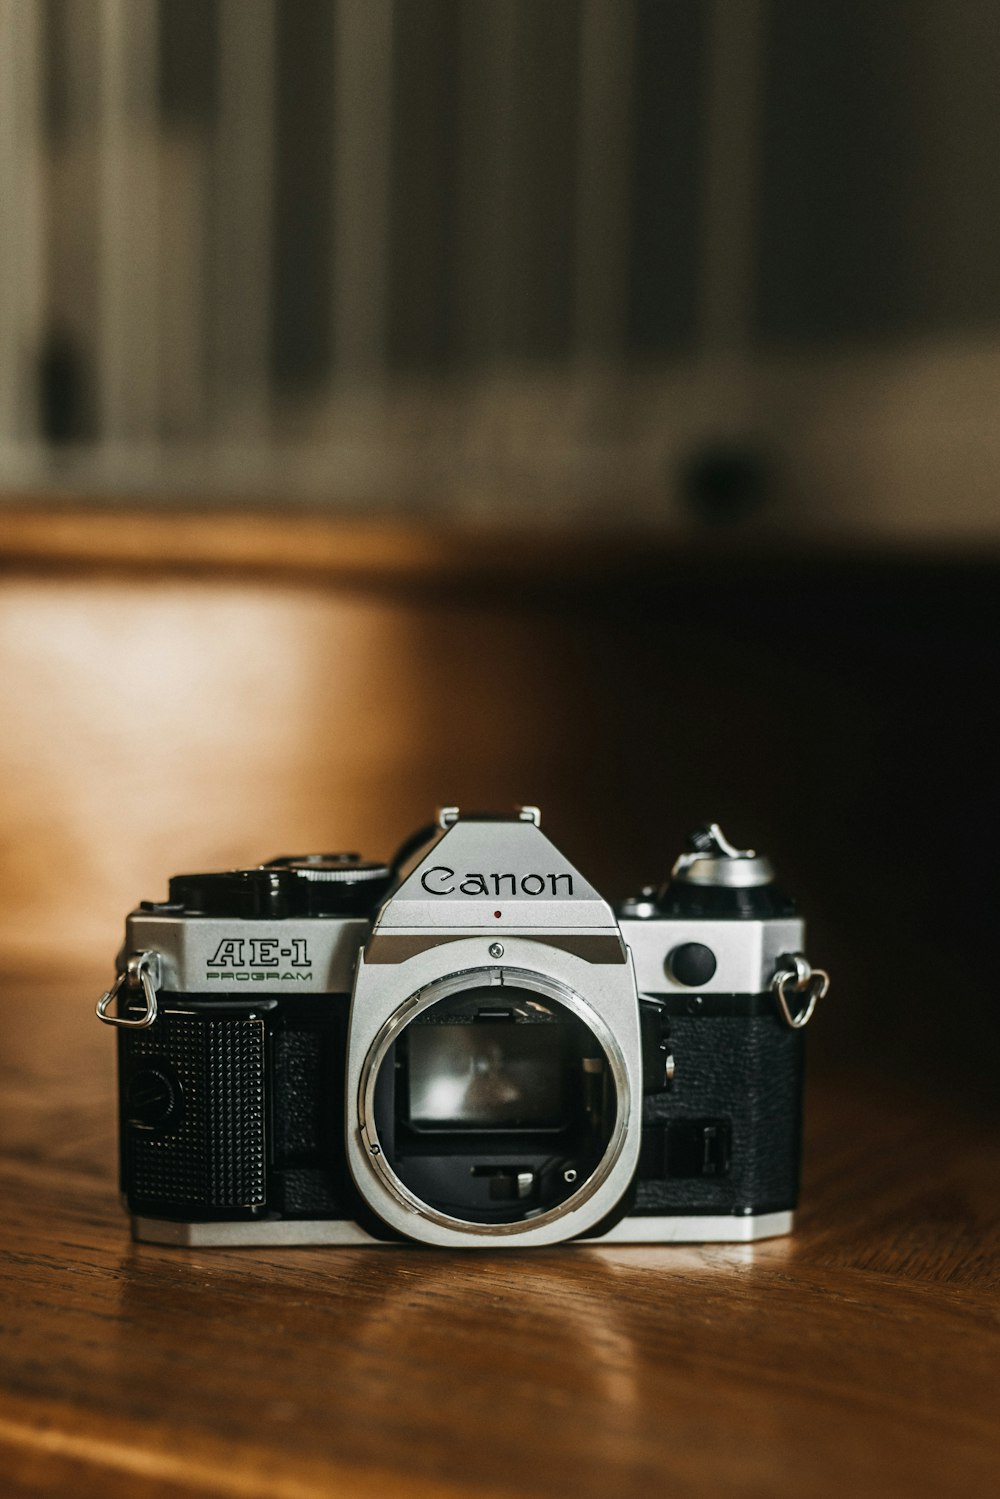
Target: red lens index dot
{"type": "Point", "coordinates": [496, 913]}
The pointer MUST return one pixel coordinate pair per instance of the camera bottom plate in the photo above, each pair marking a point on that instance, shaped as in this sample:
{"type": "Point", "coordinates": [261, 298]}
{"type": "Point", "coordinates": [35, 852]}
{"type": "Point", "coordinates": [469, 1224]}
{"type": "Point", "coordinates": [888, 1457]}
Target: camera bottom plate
{"type": "Point", "coordinates": [718, 1228]}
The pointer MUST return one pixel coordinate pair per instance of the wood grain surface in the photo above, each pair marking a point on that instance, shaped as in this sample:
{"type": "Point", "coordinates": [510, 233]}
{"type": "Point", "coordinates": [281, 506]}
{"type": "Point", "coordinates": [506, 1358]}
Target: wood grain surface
{"type": "Point", "coordinates": [858, 1356]}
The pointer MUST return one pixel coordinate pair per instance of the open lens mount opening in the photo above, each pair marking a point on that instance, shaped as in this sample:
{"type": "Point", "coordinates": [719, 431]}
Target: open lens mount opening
{"type": "Point", "coordinates": [494, 1101]}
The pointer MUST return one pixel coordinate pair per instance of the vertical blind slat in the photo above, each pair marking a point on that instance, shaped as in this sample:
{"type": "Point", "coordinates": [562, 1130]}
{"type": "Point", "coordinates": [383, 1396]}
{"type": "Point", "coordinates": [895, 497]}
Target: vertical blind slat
{"type": "Point", "coordinates": [728, 176]}
{"type": "Point", "coordinates": [243, 212]}
{"type": "Point", "coordinates": [362, 114]}
{"type": "Point", "coordinates": [485, 181]}
{"type": "Point", "coordinates": [128, 347]}
{"type": "Point", "coordinates": [22, 256]}
{"type": "Point", "coordinates": [607, 38]}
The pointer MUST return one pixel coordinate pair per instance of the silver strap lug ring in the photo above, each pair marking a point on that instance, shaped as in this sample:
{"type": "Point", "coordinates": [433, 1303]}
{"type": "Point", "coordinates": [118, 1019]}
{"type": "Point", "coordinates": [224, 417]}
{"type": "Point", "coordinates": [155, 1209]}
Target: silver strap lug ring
{"type": "Point", "coordinates": [802, 979]}
{"type": "Point", "coordinates": [143, 971]}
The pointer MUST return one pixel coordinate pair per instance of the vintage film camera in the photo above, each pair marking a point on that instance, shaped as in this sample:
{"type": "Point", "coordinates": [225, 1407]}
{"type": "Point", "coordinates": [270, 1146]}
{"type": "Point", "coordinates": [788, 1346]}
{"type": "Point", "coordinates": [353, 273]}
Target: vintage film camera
{"type": "Point", "coordinates": [477, 1052]}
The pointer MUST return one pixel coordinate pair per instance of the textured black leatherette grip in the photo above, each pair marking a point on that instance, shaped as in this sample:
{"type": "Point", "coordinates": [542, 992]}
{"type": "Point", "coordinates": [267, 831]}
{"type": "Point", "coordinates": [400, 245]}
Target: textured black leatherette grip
{"type": "Point", "coordinates": [212, 1154]}
{"type": "Point", "coordinates": [309, 1177]}
{"type": "Point", "coordinates": [259, 1119]}
{"type": "Point", "coordinates": [746, 1069]}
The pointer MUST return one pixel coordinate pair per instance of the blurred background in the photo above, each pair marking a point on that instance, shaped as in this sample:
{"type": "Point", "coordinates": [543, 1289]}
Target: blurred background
{"type": "Point", "coordinates": [589, 402]}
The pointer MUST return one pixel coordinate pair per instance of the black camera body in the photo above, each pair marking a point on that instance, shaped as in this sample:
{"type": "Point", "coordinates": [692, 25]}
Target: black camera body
{"type": "Point", "coordinates": [322, 1050]}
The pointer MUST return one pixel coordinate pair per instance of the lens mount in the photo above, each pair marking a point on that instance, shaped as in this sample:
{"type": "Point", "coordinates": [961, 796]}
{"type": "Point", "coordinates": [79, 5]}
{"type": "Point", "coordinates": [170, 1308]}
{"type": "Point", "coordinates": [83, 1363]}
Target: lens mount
{"type": "Point", "coordinates": [449, 987]}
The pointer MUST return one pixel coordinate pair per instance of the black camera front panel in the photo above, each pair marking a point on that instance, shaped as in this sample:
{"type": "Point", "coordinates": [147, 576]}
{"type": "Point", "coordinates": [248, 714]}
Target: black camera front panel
{"type": "Point", "coordinates": [235, 1110]}
{"type": "Point", "coordinates": [722, 1135]}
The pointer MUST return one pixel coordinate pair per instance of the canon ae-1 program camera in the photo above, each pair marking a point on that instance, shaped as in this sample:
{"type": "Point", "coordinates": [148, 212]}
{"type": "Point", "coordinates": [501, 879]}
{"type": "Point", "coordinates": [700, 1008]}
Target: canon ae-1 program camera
{"type": "Point", "coordinates": [477, 1052]}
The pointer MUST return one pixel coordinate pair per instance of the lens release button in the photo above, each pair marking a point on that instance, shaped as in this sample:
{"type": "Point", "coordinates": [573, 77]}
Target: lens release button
{"type": "Point", "coordinates": [691, 964]}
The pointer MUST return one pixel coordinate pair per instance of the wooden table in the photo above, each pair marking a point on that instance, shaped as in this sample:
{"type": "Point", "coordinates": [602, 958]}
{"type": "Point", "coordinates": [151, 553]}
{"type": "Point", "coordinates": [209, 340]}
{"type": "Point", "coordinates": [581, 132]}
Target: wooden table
{"type": "Point", "coordinates": [861, 1356]}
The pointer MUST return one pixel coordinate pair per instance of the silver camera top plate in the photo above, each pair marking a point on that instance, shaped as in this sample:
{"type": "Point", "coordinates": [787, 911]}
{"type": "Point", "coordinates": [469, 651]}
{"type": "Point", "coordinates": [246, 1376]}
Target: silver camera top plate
{"type": "Point", "coordinates": [227, 956]}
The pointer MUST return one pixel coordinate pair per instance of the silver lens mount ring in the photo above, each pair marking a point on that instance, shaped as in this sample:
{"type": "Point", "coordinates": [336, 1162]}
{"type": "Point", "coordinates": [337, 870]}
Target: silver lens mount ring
{"type": "Point", "coordinates": [444, 988]}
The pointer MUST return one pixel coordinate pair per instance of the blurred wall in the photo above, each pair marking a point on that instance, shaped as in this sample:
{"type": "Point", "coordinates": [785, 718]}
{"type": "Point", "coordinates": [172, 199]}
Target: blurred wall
{"type": "Point", "coordinates": [482, 260]}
